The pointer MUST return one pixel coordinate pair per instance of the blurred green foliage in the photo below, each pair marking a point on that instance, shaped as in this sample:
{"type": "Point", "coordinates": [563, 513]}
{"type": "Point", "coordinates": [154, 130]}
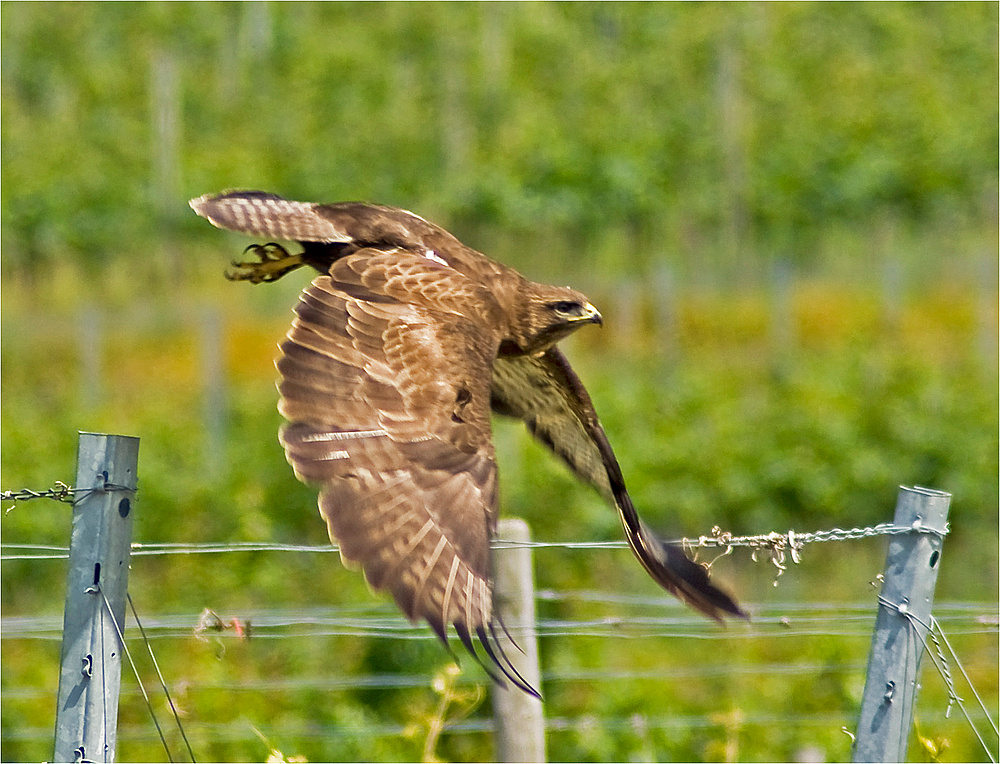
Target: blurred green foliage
{"type": "Point", "coordinates": [786, 213]}
{"type": "Point", "coordinates": [714, 428]}
{"type": "Point", "coordinates": [739, 127]}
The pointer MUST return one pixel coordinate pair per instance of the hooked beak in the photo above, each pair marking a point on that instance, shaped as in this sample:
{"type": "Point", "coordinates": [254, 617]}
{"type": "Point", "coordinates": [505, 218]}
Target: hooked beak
{"type": "Point", "coordinates": [590, 315]}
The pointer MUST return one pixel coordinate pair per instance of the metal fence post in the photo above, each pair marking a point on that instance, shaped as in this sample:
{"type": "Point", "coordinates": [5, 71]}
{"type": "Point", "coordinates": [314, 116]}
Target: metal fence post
{"type": "Point", "coordinates": [90, 668]}
{"type": "Point", "coordinates": [518, 718]}
{"type": "Point", "coordinates": [903, 621]}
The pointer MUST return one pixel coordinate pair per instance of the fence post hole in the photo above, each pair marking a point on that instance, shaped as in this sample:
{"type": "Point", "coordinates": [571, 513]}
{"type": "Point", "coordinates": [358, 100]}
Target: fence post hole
{"type": "Point", "coordinates": [100, 542]}
{"type": "Point", "coordinates": [518, 719]}
{"type": "Point", "coordinates": [902, 623]}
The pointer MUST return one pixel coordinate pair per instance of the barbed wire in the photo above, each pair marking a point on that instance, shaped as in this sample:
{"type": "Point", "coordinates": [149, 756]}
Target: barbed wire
{"type": "Point", "coordinates": [59, 491]}
{"type": "Point", "coordinates": [777, 544]}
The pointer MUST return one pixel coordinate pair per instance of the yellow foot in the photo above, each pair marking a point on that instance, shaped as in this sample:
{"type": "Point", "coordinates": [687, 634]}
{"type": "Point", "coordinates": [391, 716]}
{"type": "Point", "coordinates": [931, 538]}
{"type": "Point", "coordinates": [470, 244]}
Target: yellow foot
{"type": "Point", "coordinates": [273, 263]}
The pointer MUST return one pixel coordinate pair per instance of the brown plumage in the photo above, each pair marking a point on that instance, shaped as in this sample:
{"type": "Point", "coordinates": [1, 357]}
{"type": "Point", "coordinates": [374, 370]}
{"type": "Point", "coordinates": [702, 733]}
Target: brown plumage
{"type": "Point", "coordinates": [397, 355]}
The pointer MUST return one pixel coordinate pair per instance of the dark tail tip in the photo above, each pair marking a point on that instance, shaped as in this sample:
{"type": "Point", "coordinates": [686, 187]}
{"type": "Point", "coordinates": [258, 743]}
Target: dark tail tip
{"type": "Point", "coordinates": [682, 577]}
{"type": "Point", "coordinates": [694, 587]}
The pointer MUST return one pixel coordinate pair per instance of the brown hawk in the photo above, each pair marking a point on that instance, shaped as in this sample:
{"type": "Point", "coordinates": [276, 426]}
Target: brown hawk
{"type": "Point", "coordinates": [398, 353]}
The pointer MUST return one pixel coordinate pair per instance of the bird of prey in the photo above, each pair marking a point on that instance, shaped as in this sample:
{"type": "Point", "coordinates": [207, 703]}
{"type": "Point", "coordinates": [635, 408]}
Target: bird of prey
{"type": "Point", "coordinates": [399, 351]}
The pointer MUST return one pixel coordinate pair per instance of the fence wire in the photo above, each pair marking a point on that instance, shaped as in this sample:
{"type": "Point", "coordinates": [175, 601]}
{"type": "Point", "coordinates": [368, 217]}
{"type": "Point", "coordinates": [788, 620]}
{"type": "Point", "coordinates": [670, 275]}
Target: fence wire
{"type": "Point", "coordinates": [60, 491]}
{"type": "Point", "coordinates": [774, 542]}
{"type": "Point", "coordinates": [382, 621]}
{"type": "Point", "coordinates": [377, 621]}
{"type": "Point", "coordinates": [781, 620]}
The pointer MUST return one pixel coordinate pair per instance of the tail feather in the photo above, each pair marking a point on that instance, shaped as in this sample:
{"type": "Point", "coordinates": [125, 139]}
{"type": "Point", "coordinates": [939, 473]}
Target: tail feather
{"type": "Point", "coordinates": [671, 568]}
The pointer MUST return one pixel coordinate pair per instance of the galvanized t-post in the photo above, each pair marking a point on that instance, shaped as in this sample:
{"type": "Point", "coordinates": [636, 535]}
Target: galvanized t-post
{"type": "Point", "coordinates": [902, 624]}
{"type": "Point", "coordinates": [518, 718]}
{"type": "Point", "coordinates": [97, 582]}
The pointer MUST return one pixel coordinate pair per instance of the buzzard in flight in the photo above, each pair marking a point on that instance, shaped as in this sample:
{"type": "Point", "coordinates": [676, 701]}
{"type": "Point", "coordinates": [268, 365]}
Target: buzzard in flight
{"type": "Point", "coordinates": [398, 353]}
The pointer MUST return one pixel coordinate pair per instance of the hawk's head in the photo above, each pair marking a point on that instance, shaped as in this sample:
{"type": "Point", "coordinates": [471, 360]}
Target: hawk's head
{"type": "Point", "coordinates": [550, 314]}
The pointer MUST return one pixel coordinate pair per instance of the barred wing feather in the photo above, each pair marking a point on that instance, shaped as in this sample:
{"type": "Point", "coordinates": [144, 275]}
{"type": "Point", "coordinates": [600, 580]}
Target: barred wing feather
{"type": "Point", "coordinates": [401, 450]}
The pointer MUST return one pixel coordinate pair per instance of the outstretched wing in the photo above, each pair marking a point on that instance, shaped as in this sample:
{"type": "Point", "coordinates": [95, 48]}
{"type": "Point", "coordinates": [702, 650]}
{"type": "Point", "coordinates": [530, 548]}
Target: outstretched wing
{"type": "Point", "coordinates": [544, 391]}
{"type": "Point", "coordinates": [261, 213]}
{"type": "Point", "coordinates": [386, 393]}
{"type": "Point", "coordinates": [329, 231]}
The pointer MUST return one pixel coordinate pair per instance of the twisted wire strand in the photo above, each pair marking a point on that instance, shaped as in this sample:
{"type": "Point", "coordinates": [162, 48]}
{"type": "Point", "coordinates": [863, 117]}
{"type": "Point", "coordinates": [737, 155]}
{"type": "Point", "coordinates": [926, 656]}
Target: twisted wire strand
{"type": "Point", "coordinates": [135, 671]}
{"type": "Point", "coordinates": [941, 664]}
{"type": "Point", "coordinates": [936, 623]}
{"type": "Point", "coordinates": [60, 491]}
{"type": "Point", "coordinates": [775, 542]}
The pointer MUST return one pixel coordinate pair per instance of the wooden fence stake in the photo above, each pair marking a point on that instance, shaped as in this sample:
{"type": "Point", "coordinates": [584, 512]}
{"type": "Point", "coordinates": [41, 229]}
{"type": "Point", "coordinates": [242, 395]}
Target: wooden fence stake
{"type": "Point", "coordinates": [902, 624]}
{"type": "Point", "coordinates": [100, 543]}
{"type": "Point", "coordinates": [518, 718]}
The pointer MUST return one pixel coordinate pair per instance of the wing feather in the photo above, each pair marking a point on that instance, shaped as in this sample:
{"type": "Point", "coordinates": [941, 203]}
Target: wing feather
{"type": "Point", "coordinates": [330, 231]}
{"type": "Point", "coordinates": [387, 402]}
{"type": "Point", "coordinates": [269, 215]}
{"type": "Point", "coordinates": [545, 392]}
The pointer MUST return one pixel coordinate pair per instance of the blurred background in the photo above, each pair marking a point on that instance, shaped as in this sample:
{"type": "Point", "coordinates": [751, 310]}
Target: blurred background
{"type": "Point", "coordinates": [787, 214]}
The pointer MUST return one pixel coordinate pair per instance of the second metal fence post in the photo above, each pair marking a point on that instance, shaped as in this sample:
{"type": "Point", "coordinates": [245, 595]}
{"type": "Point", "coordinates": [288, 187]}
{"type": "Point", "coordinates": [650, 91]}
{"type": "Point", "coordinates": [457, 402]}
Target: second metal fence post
{"type": "Point", "coordinates": [902, 624]}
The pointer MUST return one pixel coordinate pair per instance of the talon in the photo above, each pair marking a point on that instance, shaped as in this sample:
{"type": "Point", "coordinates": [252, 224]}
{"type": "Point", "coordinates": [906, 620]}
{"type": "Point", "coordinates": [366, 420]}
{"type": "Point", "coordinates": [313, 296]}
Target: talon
{"type": "Point", "coordinates": [273, 251]}
{"type": "Point", "coordinates": [273, 262]}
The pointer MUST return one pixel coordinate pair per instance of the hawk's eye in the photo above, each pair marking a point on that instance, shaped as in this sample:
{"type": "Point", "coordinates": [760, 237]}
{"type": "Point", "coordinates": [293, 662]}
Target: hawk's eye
{"type": "Point", "coordinates": [567, 307]}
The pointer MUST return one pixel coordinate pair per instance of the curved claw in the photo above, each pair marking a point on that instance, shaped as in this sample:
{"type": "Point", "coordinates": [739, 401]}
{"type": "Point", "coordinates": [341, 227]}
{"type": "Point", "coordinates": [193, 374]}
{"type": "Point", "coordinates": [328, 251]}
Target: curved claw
{"type": "Point", "coordinates": [273, 262]}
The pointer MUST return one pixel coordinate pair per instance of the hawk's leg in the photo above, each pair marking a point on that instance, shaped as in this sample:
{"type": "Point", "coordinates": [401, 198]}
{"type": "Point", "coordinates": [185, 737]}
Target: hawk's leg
{"type": "Point", "coordinates": [273, 263]}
